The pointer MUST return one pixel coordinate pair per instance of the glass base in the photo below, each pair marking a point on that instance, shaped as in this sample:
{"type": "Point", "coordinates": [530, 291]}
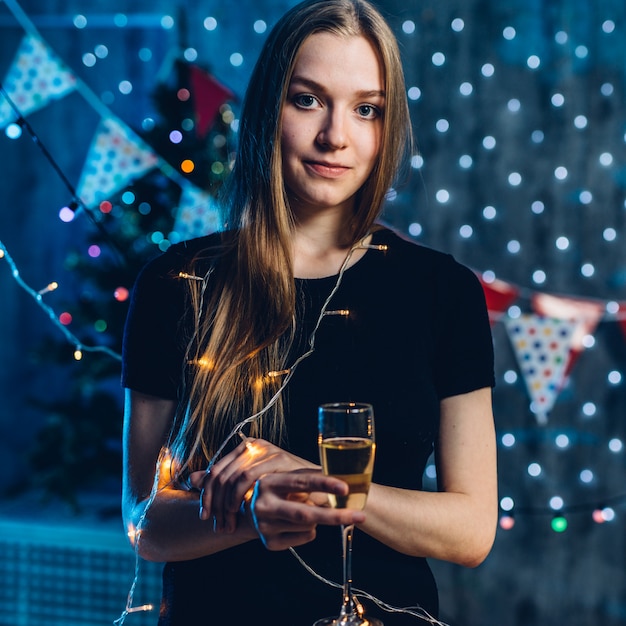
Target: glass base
{"type": "Point", "coordinates": [348, 621]}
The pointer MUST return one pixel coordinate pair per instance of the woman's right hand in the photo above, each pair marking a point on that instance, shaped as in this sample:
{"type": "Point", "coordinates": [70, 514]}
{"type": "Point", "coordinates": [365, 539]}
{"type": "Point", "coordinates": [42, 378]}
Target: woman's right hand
{"type": "Point", "coordinates": [284, 510]}
{"type": "Point", "coordinates": [288, 495]}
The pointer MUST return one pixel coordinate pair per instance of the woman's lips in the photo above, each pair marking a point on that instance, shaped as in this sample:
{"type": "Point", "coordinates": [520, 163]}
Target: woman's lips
{"type": "Point", "coordinates": [327, 170]}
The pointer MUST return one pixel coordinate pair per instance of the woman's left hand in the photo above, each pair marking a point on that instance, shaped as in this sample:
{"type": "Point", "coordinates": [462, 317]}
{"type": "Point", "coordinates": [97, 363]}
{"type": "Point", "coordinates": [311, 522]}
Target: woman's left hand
{"type": "Point", "coordinates": [232, 478]}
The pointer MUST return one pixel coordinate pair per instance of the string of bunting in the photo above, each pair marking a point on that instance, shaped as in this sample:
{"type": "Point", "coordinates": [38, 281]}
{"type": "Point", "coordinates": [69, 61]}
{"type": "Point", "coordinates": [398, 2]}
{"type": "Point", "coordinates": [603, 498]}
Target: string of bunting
{"type": "Point", "coordinates": [117, 155]}
{"type": "Point", "coordinates": [37, 77]}
{"type": "Point", "coordinates": [548, 340]}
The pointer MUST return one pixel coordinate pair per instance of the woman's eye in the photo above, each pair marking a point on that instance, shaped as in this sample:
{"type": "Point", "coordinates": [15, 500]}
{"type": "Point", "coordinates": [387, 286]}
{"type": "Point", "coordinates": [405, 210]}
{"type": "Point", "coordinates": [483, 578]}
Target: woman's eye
{"type": "Point", "coordinates": [368, 111]}
{"type": "Point", "coordinates": [306, 101]}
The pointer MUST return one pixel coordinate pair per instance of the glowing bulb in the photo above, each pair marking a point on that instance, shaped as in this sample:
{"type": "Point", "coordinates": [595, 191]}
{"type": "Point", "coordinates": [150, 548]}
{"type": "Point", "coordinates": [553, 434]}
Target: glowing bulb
{"type": "Point", "coordinates": [66, 214]}
{"type": "Point", "coordinates": [534, 469]}
{"type": "Point", "coordinates": [507, 503]}
{"type": "Point", "coordinates": [47, 289]}
{"type": "Point", "coordinates": [533, 62]}
{"type": "Point", "coordinates": [187, 166]}
{"type": "Point", "coordinates": [236, 59]}
{"type": "Point", "coordinates": [121, 294]}
{"type": "Point", "coordinates": [487, 70]}
{"type": "Point", "coordinates": [414, 93]}
{"type": "Point", "coordinates": [438, 59]}
{"type": "Point", "coordinates": [13, 131]}
{"type": "Point", "coordinates": [562, 441]}
{"type": "Point", "coordinates": [508, 440]}
{"type": "Point", "coordinates": [509, 33]}
{"type": "Point", "coordinates": [78, 355]}
{"type": "Point", "coordinates": [165, 469]}
{"type": "Point", "coordinates": [132, 533]}
{"type": "Point", "coordinates": [586, 476]}
{"type": "Point", "coordinates": [510, 377]}
{"type": "Point", "coordinates": [507, 522]}
{"type": "Point", "coordinates": [559, 524]}
{"type": "Point", "coordinates": [457, 25]}
{"type": "Point", "coordinates": [556, 503]}
{"type": "Point", "coordinates": [204, 363]}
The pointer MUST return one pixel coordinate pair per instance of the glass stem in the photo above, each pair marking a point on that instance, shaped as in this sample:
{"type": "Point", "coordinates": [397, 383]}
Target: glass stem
{"type": "Point", "coordinates": [351, 607]}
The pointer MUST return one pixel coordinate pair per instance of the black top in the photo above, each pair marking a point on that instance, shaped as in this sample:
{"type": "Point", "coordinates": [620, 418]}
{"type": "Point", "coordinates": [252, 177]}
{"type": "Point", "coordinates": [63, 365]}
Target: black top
{"type": "Point", "coordinates": [417, 332]}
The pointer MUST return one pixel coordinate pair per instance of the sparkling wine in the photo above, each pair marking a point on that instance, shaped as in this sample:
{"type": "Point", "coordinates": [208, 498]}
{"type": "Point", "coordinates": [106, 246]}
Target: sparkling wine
{"type": "Point", "coordinates": [352, 460]}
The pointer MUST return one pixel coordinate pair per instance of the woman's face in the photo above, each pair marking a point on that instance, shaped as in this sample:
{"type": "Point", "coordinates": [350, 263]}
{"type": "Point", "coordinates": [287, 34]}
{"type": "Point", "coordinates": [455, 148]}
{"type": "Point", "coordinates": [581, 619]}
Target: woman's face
{"type": "Point", "coordinates": [332, 122]}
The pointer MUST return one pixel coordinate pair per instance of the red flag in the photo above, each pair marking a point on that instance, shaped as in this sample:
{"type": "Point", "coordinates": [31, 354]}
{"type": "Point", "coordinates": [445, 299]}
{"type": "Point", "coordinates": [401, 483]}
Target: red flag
{"type": "Point", "coordinates": [498, 295]}
{"type": "Point", "coordinates": [585, 313]}
{"type": "Point", "coordinates": [208, 96]}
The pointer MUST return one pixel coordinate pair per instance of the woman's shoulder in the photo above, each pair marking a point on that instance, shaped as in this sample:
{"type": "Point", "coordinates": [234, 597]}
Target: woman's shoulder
{"type": "Point", "coordinates": [180, 256]}
{"type": "Point", "coordinates": [412, 254]}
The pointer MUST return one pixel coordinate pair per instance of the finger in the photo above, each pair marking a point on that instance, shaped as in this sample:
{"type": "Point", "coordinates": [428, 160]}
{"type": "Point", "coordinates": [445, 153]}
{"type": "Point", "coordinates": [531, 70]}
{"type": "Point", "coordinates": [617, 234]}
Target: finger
{"type": "Point", "coordinates": [205, 481]}
{"type": "Point", "coordinates": [305, 482]}
{"type": "Point", "coordinates": [270, 506]}
{"type": "Point", "coordinates": [234, 475]}
{"type": "Point", "coordinates": [196, 479]}
{"type": "Point", "coordinates": [287, 540]}
{"type": "Point", "coordinates": [234, 481]}
{"type": "Point", "coordinates": [307, 515]}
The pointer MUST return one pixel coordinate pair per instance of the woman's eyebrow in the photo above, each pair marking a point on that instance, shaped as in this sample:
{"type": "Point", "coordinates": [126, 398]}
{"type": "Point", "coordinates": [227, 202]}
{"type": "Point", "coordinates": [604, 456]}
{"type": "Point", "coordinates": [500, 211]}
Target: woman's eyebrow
{"type": "Point", "coordinates": [315, 86]}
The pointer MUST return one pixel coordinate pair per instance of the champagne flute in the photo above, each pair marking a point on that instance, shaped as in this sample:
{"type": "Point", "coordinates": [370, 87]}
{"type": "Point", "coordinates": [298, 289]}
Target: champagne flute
{"type": "Point", "coordinates": [347, 446]}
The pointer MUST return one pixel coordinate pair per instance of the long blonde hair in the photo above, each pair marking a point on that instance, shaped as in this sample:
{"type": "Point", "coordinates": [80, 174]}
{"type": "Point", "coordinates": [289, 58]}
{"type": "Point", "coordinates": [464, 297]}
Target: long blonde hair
{"type": "Point", "coordinates": [245, 324]}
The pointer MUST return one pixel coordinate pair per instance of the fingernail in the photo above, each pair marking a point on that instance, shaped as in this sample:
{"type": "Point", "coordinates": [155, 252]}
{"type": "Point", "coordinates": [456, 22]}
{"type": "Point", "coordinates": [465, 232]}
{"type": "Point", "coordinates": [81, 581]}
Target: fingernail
{"type": "Point", "coordinates": [202, 513]}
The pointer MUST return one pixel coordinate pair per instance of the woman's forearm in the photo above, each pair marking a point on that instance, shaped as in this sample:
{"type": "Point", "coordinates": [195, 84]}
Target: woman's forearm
{"type": "Point", "coordinates": [173, 531]}
{"type": "Point", "coordinates": [447, 526]}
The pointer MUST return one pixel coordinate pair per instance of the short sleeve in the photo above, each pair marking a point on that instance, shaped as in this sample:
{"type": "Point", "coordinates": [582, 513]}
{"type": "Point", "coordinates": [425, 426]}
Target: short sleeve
{"type": "Point", "coordinates": [464, 359]}
{"type": "Point", "coordinates": [151, 353]}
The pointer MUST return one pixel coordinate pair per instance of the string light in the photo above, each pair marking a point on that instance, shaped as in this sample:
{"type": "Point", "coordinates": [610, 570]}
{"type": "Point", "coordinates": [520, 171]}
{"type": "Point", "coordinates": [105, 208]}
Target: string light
{"type": "Point", "coordinates": [601, 512]}
{"type": "Point", "coordinates": [80, 347]}
{"type": "Point", "coordinates": [164, 458]}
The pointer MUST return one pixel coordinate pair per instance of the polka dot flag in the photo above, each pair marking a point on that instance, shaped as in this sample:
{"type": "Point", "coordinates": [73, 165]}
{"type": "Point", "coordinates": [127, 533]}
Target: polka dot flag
{"type": "Point", "coordinates": [198, 214]}
{"type": "Point", "coordinates": [542, 346]}
{"type": "Point", "coordinates": [35, 77]}
{"type": "Point", "coordinates": [116, 157]}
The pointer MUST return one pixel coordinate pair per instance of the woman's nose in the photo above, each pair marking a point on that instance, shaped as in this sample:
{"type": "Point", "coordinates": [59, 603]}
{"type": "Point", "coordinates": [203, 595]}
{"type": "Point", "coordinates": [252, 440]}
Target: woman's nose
{"type": "Point", "coordinates": [333, 134]}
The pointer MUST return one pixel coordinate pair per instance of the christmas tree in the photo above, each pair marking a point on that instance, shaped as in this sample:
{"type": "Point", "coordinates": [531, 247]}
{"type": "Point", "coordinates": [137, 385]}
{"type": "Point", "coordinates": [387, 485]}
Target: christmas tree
{"type": "Point", "coordinates": [79, 443]}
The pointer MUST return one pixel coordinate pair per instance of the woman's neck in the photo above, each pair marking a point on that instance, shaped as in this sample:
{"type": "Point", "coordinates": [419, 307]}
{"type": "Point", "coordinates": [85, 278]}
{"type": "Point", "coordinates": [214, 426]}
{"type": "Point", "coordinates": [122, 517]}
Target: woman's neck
{"type": "Point", "coordinates": [320, 248]}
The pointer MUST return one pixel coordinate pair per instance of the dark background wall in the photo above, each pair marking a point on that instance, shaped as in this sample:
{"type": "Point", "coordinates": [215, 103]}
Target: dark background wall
{"type": "Point", "coordinates": [534, 575]}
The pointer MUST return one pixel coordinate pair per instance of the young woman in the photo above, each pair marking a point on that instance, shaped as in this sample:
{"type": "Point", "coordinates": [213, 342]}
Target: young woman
{"type": "Point", "coordinates": [302, 300]}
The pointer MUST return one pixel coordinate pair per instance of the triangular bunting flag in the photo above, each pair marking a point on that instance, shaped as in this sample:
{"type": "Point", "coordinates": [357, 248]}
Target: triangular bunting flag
{"type": "Point", "coordinates": [116, 157]}
{"type": "Point", "coordinates": [36, 76]}
{"type": "Point", "coordinates": [584, 313]}
{"type": "Point", "coordinates": [198, 214]}
{"type": "Point", "coordinates": [542, 346]}
{"type": "Point", "coordinates": [208, 96]}
{"type": "Point", "coordinates": [499, 296]}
